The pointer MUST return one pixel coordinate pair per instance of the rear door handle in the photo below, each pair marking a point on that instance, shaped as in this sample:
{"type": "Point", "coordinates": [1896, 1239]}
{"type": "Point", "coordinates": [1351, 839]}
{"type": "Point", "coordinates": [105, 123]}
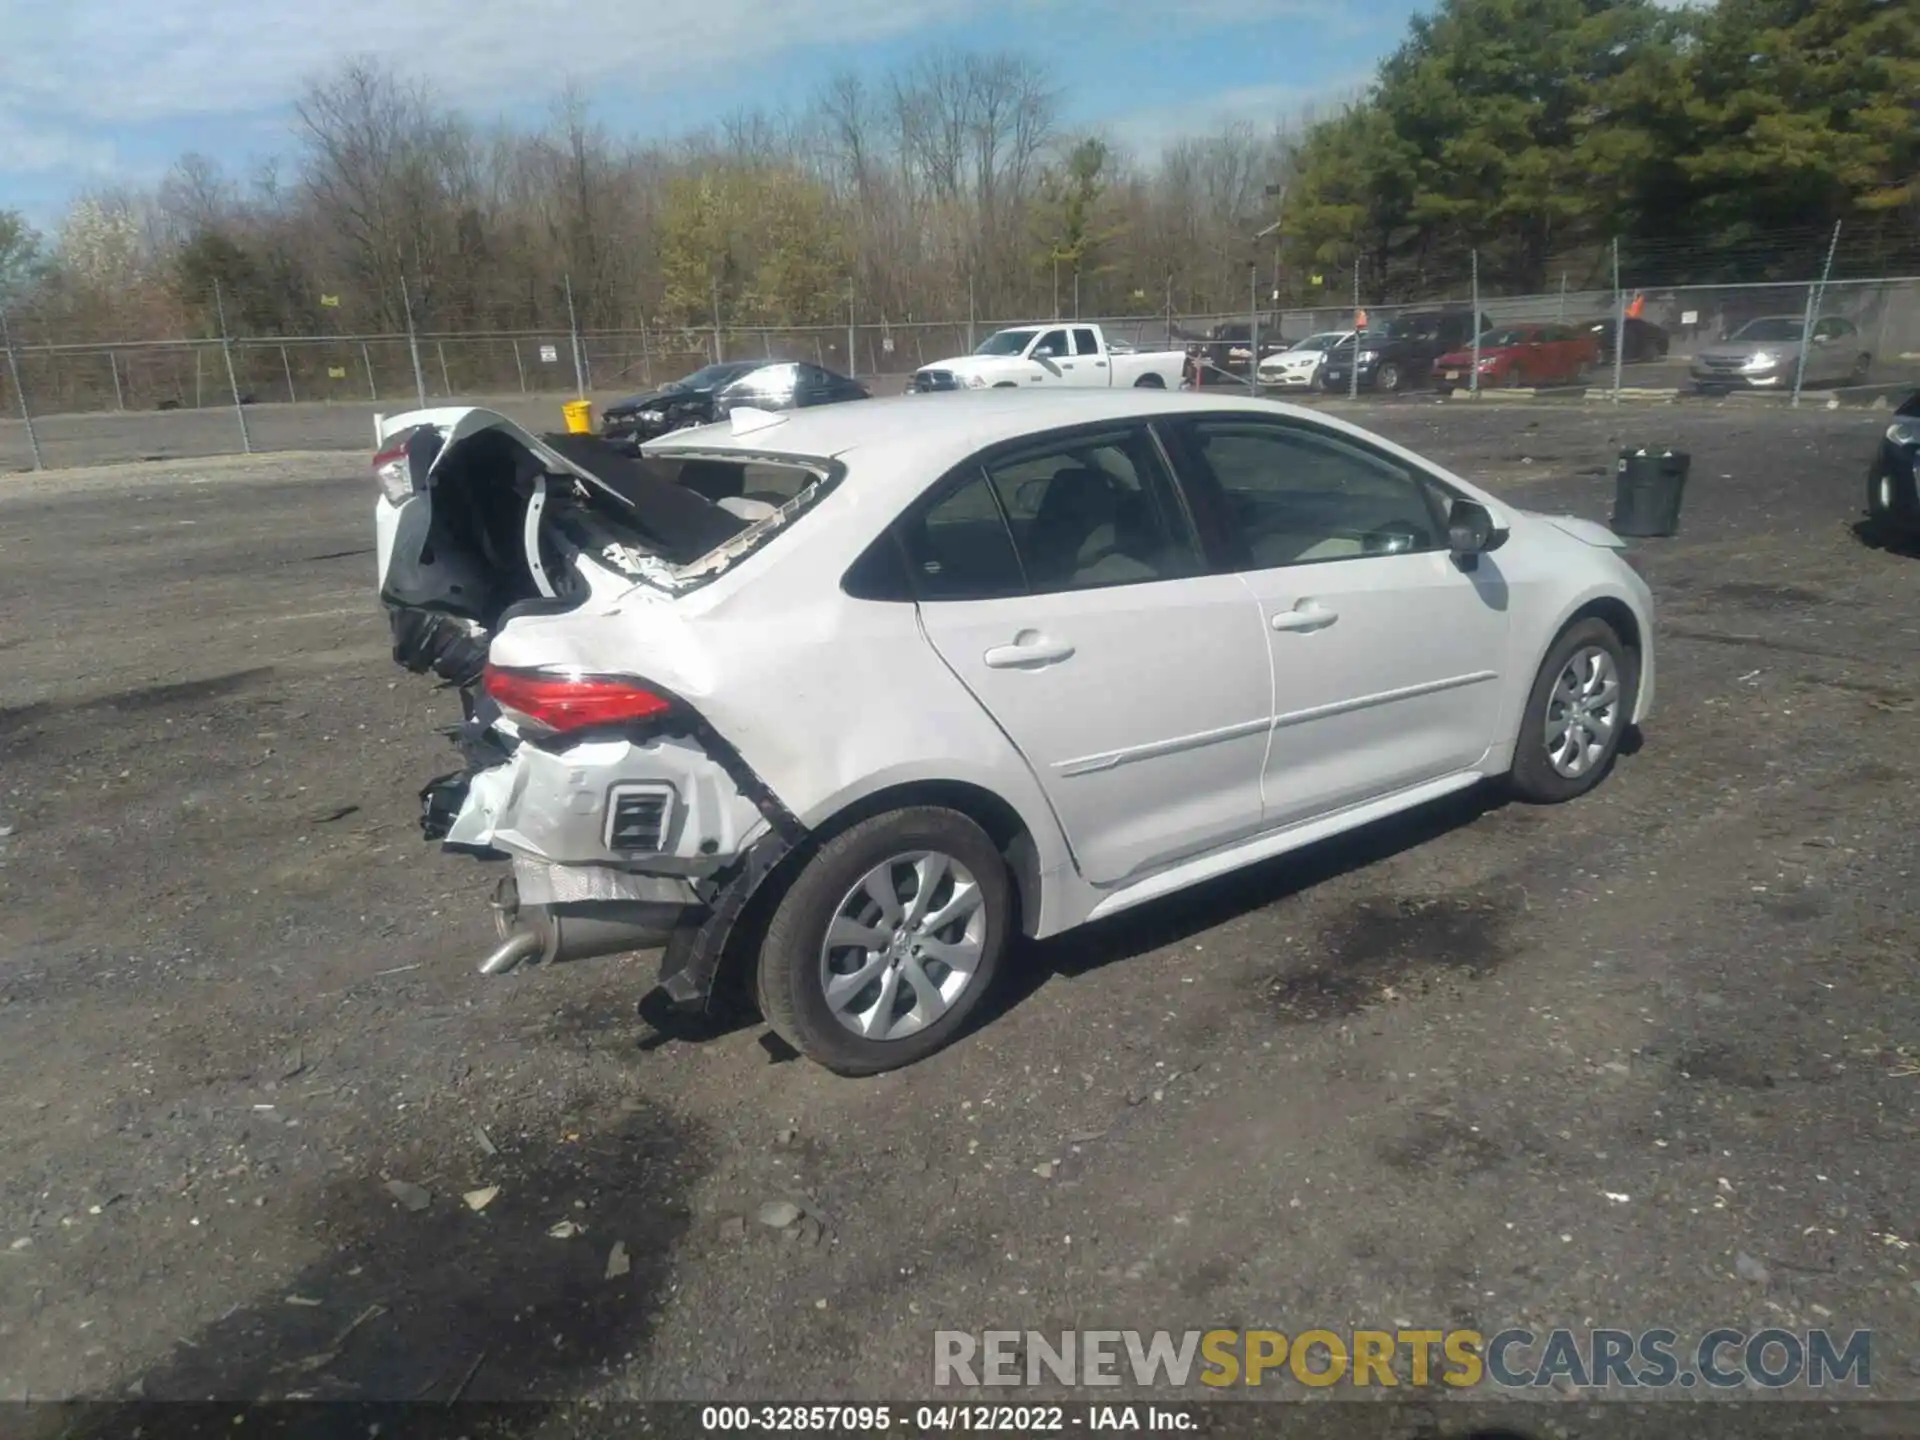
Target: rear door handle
{"type": "Point", "coordinates": [1029, 651]}
{"type": "Point", "coordinates": [1306, 616]}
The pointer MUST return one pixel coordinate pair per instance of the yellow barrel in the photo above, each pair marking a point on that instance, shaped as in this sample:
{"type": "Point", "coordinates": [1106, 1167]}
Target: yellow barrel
{"type": "Point", "coordinates": [579, 415]}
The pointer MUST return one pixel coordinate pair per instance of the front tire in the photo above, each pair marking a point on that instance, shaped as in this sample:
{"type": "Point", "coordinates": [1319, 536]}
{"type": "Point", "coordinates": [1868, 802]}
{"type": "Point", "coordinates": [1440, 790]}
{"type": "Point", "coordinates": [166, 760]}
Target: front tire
{"type": "Point", "coordinates": [1576, 715]}
{"type": "Point", "coordinates": [887, 941]}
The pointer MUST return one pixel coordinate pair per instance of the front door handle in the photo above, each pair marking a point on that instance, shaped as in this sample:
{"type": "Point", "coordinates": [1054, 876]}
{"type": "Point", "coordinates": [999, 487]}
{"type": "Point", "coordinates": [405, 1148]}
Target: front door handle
{"type": "Point", "coordinates": [1029, 651]}
{"type": "Point", "coordinates": [1307, 616]}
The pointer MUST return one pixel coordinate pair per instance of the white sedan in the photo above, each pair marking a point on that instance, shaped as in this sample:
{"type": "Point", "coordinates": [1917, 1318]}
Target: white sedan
{"type": "Point", "coordinates": [1298, 366]}
{"type": "Point", "coordinates": [842, 703]}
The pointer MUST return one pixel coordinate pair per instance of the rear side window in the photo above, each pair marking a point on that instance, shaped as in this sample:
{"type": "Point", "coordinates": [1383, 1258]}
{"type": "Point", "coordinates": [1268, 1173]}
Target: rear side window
{"type": "Point", "coordinates": [958, 547]}
{"type": "Point", "coordinates": [1085, 342]}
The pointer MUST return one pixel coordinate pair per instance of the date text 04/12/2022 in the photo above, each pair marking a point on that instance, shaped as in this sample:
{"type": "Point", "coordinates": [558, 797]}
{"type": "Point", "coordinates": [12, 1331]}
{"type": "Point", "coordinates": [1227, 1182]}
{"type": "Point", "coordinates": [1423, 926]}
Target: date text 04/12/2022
{"type": "Point", "coordinates": [942, 1419]}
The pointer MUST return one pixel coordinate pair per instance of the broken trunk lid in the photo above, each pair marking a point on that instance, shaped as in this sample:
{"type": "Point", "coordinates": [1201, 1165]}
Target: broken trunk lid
{"type": "Point", "coordinates": [680, 525]}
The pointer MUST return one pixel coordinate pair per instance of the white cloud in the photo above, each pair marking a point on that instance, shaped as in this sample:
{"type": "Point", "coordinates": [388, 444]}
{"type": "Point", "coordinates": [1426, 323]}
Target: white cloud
{"type": "Point", "coordinates": [27, 148]}
{"type": "Point", "coordinates": [107, 62]}
{"type": "Point", "coordinates": [1147, 132]}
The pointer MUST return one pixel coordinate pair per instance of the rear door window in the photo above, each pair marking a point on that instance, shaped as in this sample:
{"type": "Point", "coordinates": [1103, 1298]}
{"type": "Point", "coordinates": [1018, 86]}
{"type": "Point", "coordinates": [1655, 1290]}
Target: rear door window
{"type": "Point", "coordinates": [1085, 342]}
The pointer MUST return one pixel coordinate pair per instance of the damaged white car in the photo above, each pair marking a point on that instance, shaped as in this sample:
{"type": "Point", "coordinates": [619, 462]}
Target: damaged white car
{"type": "Point", "coordinates": [836, 704]}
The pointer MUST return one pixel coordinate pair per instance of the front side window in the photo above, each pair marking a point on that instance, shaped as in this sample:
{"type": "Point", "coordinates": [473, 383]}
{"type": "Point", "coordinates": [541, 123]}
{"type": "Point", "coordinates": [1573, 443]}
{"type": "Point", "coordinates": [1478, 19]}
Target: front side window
{"type": "Point", "coordinates": [1295, 496]}
{"type": "Point", "coordinates": [1053, 345]}
{"type": "Point", "coordinates": [1094, 509]}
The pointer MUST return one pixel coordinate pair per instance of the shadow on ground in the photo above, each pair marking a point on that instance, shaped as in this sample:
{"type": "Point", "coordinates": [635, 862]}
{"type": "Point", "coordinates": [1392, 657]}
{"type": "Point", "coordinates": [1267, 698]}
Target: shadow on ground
{"type": "Point", "coordinates": [446, 1302]}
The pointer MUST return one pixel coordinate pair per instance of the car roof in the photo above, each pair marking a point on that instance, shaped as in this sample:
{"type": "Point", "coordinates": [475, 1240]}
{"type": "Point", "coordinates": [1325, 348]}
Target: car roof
{"type": "Point", "coordinates": [936, 432]}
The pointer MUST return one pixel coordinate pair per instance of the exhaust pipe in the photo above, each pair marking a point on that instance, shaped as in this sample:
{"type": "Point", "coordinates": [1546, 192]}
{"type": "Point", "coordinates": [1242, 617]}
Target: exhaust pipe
{"type": "Point", "coordinates": [551, 934]}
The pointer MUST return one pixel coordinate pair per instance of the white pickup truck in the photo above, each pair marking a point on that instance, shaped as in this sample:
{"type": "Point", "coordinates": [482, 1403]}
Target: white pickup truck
{"type": "Point", "coordinates": [1052, 354]}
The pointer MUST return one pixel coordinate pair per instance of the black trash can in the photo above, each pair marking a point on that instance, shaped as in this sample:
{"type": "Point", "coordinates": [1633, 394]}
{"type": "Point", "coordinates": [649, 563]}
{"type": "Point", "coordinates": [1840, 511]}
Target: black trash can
{"type": "Point", "coordinates": [1647, 492]}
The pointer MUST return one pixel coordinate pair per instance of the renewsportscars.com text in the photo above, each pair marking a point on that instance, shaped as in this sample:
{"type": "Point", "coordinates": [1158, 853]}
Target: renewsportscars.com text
{"type": "Point", "coordinates": [1654, 1359]}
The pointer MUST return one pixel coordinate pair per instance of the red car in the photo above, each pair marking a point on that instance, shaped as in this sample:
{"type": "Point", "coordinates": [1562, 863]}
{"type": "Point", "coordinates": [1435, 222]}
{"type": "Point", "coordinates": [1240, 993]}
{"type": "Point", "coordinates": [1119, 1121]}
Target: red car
{"type": "Point", "coordinates": [1520, 355]}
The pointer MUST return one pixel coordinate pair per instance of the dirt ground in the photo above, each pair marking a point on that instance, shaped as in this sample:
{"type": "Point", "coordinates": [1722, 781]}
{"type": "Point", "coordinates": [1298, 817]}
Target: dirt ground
{"type": "Point", "coordinates": [1652, 1058]}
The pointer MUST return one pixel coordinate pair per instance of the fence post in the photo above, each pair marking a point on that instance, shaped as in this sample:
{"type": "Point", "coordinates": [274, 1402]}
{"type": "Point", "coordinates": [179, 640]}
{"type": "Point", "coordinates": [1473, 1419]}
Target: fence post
{"type": "Point", "coordinates": [853, 362]}
{"type": "Point", "coordinates": [970, 312]}
{"type": "Point", "coordinates": [20, 392]}
{"type": "Point", "coordinates": [446, 380]}
{"type": "Point", "coordinates": [286, 368]}
{"type": "Point", "coordinates": [1814, 296]}
{"type": "Point", "coordinates": [573, 332]}
{"type": "Point", "coordinates": [646, 355]}
{"type": "Point", "coordinates": [1619, 323]}
{"type": "Point", "coordinates": [233, 380]}
{"type": "Point", "coordinates": [1563, 297]}
{"type": "Point", "coordinates": [1353, 375]}
{"type": "Point", "coordinates": [1473, 380]}
{"type": "Point", "coordinates": [373, 386]}
{"type": "Point", "coordinates": [197, 400]}
{"type": "Point", "coordinates": [1253, 324]}
{"type": "Point", "coordinates": [519, 367]}
{"type": "Point", "coordinates": [719, 344]}
{"type": "Point", "coordinates": [413, 345]}
{"type": "Point", "coordinates": [113, 368]}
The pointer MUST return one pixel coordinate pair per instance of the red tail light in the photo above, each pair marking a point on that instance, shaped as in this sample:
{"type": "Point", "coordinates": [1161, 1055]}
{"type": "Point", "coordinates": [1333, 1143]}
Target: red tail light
{"type": "Point", "coordinates": [560, 703]}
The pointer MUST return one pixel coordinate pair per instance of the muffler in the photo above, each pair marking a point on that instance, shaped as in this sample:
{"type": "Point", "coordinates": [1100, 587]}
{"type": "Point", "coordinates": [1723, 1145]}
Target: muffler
{"type": "Point", "coordinates": [550, 934]}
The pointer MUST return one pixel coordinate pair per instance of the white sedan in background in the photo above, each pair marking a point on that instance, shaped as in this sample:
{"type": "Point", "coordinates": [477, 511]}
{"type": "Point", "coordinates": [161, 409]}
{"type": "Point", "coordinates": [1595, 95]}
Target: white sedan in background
{"type": "Point", "coordinates": [1298, 367]}
{"type": "Point", "coordinates": [840, 703]}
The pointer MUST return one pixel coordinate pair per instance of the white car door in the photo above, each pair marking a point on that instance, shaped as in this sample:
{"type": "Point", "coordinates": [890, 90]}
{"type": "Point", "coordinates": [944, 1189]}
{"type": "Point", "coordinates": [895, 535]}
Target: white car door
{"type": "Point", "coordinates": [1387, 656]}
{"type": "Point", "coordinates": [1053, 353]}
{"type": "Point", "coordinates": [1091, 365]}
{"type": "Point", "coordinates": [1062, 583]}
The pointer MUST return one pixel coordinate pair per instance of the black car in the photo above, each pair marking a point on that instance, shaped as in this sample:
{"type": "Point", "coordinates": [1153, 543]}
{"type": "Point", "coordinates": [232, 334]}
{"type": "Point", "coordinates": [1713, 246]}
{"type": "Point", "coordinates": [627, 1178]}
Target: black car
{"type": "Point", "coordinates": [1893, 485]}
{"type": "Point", "coordinates": [674, 406]}
{"type": "Point", "coordinates": [1401, 353]}
{"type": "Point", "coordinates": [1645, 340]}
{"type": "Point", "coordinates": [788, 385]}
{"type": "Point", "coordinates": [1228, 349]}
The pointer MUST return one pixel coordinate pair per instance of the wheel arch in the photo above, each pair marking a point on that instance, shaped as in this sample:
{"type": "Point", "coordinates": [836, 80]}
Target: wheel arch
{"type": "Point", "coordinates": [1009, 830]}
{"type": "Point", "coordinates": [1624, 622]}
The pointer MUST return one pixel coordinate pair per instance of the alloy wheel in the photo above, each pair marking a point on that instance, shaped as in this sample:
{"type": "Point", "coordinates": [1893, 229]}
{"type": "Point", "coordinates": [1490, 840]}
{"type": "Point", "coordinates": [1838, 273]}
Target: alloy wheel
{"type": "Point", "coordinates": [903, 945]}
{"type": "Point", "coordinates": [1582, 712]}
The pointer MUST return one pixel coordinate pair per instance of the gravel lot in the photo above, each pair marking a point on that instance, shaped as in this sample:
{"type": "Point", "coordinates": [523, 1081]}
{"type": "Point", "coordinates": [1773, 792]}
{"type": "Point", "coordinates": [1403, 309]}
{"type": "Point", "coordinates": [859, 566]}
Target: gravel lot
{"type": "Point", "coordinates": [1486, 1066]}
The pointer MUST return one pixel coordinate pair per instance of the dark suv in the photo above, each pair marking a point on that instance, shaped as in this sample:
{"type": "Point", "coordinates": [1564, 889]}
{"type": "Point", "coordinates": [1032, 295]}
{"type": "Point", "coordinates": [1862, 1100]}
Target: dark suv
{"type": "Point", "coordinates": [1401, 353]}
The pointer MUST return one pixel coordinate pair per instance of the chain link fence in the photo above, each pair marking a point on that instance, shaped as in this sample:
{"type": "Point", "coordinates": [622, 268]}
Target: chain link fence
{"type": "Point", "coordinates": [95, 402]}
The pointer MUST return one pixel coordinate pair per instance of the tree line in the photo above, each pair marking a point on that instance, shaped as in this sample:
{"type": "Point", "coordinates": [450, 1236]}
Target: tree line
{"type": "Point", "coordinates": [1713, 143]}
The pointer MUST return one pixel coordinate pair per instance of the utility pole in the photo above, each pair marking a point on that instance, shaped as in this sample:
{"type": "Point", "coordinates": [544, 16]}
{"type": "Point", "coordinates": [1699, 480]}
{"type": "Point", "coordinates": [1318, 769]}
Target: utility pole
{"type": "Point", "coordinates": [19, 392]}
{"type": "Point", "coordinates": [413, 344]}
{"type": "Point", "coordinates": [233, 382]}
{"type": "Point", "coordinates": [1814, 297]}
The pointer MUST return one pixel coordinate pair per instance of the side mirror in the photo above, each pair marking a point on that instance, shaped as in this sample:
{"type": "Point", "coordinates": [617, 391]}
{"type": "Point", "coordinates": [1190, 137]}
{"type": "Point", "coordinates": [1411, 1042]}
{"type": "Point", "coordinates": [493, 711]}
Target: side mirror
{"type": "Point", "coordinates": [1471, 533]}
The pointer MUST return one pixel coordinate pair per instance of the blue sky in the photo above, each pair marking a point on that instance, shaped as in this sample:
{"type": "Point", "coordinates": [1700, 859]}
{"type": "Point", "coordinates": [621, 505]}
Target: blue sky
{"type": "Point", "coordinates": [98, 91]}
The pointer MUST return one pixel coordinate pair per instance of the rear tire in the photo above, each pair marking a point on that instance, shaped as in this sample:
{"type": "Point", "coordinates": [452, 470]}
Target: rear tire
{"type": "Point", "coordinates": [921, 846]}
{"type": "Point", "coordinates": [1862, 368]}
{"type": "Point", "coordinates": [1387, 378]}
{"type": "Point", "coordinates": [1005, 385]}
{"type": "Point", "coordinates": [1584, 695]}
{"type": "Point", "coordinates": [1149, 382]}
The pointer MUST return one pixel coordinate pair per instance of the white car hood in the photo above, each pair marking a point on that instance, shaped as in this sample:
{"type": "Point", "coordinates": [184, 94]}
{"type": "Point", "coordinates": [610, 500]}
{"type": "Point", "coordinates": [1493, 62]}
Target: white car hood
{"type": "Point", "coordinates": [1590, 531]}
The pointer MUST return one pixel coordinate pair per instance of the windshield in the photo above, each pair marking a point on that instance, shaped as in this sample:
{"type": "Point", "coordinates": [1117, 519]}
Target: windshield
{"type": "Point", "coordinates": [711, 377]}
{"type": "Point", "coordinates": [1324, 341]}
{"type": "Point", "coordinates": [1495, 339]}
{"type": "Point", "coordinates": [1777, 327]}
{"type": "Point", "coordinates": [1007, 342]}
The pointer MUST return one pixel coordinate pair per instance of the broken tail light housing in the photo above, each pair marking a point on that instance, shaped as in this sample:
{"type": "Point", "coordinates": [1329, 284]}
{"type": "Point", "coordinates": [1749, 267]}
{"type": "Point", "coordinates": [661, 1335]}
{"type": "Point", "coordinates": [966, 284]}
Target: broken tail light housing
{"type": "Point", "coordinates": [558, 703]}
{"type": "Point", "coordinates": [394, 471]}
